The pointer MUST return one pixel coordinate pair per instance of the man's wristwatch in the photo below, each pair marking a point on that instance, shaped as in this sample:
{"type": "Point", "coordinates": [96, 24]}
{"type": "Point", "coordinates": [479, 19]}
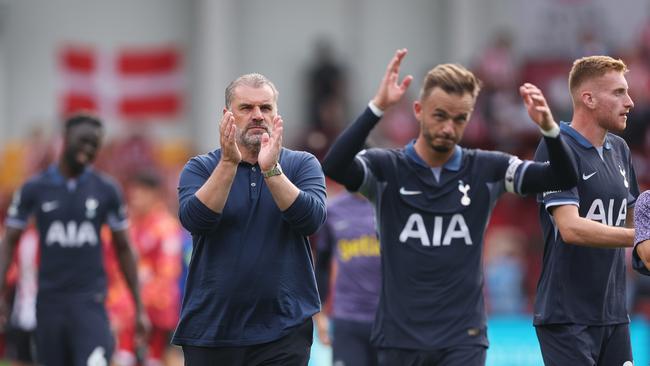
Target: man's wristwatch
{"type": "Point", "coordinates": [276, 170]}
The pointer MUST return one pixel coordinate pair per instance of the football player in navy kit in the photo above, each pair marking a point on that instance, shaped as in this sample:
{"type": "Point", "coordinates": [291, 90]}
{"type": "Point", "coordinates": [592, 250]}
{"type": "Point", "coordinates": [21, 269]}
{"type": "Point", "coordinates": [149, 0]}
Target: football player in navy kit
{"type": "Point", "coordinates": [70, 202]}
{"type": "Point", "coordinates": [580, 310]}
{"type": "Point", "coordinates": [433, 200]}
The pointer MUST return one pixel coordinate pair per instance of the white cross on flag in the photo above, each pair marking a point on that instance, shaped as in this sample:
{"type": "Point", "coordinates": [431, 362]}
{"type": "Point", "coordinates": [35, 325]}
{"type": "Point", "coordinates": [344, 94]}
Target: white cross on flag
{"type": "Point", "coordinates": [135, 84]}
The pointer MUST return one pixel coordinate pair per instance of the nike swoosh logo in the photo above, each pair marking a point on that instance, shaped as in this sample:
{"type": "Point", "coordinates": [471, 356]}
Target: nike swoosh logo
{"type": "Point", "coordinates": [49, 206]}
{"type": "Point", "coordinates": [405, 192]}
{"type": "Point", "coordinates": [585, 177]}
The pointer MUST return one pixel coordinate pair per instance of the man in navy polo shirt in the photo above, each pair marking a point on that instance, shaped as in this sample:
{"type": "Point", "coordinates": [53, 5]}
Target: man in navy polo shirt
{"type": "Point", "coordinates": [70, 202]}
{"type": "Point", "coordinates": [580, 309]}
{"type": "Point", "coordinates": [433, 200]}
{"type": "Point", "coordinates": [250, 205]}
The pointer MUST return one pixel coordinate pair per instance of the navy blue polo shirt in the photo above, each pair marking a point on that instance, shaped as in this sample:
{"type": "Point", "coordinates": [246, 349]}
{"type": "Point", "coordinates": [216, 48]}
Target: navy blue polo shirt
{"type": "Point", "coordinates": [251, 277]}
{"type": "Point", "coordinates": [578, 284]}
{"type": "Point", "coordinates": [431, 234]}
{"type": "Point", "coordinates": [69, 214]}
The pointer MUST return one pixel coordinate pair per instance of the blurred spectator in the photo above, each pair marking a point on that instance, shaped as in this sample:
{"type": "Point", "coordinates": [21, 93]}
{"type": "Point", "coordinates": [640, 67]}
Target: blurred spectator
{"type": "Point", "coordinates": [135, 151]}
{"type": "Point", "coordinates": [22, 322]}
{"type": "Point", "coordinates": [22, 158]}
{"type": "Point", "coordinates": [327, 99]}
{"type": "Point", "coordinates": [508, 131]}
{"type": "Point", "coordinates": [643, 44]}
{"type": "Point", "coordinates": [327, 81]}
{"type": "Point", "coordinates": [550, 75]}
{"type": "Point", "coordinates": [499, 102]}
{"type": "Point", "coordinates": [157, 239]}
{"type": "Point", "coordinates": [398, 126]}
{"type": "Point", "coordinates": [520, 214]}
{"type": "Point", "coordinates": [638, 78]}
{"type": "Point", "coordinates": [40, 150]}
{"type": "Point", "coordinates": [589, 44]}
{"type": "Point", "coordinates": [504, 271]}
{"type": "Point", "coordinates": [497, 67]}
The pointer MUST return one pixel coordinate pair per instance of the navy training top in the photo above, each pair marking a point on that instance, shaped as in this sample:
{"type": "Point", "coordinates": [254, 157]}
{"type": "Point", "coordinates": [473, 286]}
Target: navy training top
{"type": "Point", "coordinates": [251, 276]}
{"type": "Point", "coordinates": [431, 235]}
{"type": "Point", "coordinates": [578, 284]}
{"type": "Point", "coordinates": [69, 215]}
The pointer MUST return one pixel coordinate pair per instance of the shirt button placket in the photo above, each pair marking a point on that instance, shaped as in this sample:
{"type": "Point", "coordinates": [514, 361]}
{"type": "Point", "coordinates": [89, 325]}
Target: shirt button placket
{"type": "Point", "coordinates": [254, 177]}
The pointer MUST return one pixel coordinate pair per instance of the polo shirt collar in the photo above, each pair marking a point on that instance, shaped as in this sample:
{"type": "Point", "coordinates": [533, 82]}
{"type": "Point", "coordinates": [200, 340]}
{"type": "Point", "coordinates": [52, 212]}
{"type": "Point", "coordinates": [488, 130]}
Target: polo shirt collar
{"type": "Point", "coordinates": [566, 127]}
{"type": "Point", "coordinates": [453, 164]}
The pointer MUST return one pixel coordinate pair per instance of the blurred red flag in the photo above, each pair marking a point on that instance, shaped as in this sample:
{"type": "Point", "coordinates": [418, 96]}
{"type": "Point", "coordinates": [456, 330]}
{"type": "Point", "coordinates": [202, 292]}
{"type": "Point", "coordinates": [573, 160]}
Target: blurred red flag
{"type": "Point", "coordinates": [78, 67]}
{"type": "Point", "coordinates": [135, 84]}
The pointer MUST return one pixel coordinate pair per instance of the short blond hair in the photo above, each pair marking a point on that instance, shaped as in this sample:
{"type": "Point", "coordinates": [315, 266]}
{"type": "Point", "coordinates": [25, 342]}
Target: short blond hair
{"type": "Point", "coordinates": [591, 67]}
{"type": "Point", "coordinates": [452, 78]}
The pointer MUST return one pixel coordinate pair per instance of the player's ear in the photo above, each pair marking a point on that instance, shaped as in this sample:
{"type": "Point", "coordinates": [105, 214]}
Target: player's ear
{"type": "Point", "coordinates": [588, 99]}
{"type": "Point", "coordinates": [225, 110]}
{"type": "Point", "coordinates": [417, 109]}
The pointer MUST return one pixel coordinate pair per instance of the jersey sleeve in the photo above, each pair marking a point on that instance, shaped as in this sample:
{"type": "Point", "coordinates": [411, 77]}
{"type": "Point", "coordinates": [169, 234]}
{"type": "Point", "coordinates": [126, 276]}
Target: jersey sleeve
{"type": "Point", "coordinates": [339, 163]}
{"type": "Point", "coordinates": [116, 217]}
{"type": "Point", "coordinates": [22, 206]}
{"type": "Point", "coordinates": [308, 212]}
{"type": "Point", "coordinates": [554, 198]}
{"type": "Point", "coordinates": [373, 161]}
{"type": "Point", "coordinates": [506, 169]}
{"type": "Point", "coordinates": [194, 215]}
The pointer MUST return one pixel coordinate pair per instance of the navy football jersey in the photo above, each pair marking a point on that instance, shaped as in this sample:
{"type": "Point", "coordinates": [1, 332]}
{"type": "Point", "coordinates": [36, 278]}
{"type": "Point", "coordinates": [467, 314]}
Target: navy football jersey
{"type": "Point", "coordinates": [69, 215]}
{"type": "Point", "coordinates": [431, 235]}
{"type": "Point", "coordinates": [578, 284]}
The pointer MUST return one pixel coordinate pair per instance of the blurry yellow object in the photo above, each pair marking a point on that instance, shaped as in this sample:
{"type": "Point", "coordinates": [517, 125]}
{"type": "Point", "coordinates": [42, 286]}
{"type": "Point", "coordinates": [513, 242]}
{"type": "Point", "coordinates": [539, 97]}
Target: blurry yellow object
{"type": "Point", "coordinates": [12, 161]}
{"type": "Point", "coordinates": [170, 154]}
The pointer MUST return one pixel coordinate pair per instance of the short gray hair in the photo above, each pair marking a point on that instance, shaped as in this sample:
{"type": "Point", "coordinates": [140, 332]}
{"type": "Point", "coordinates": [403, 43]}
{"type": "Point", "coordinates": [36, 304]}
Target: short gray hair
{"type": "Point", "coordinates": [254, 80]}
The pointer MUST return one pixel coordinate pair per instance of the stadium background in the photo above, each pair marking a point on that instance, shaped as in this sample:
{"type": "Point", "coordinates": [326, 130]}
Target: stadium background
{"type": "Point", "coordinates": [156, 71]}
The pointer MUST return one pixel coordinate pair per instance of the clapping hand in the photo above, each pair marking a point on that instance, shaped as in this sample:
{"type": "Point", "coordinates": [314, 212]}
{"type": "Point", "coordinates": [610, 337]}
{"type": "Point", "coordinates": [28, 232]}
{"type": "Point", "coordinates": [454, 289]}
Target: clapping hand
{"type": "Point", "coordinates": [271, 145]}
{"type": "Point", "coordinates": [228, 138]}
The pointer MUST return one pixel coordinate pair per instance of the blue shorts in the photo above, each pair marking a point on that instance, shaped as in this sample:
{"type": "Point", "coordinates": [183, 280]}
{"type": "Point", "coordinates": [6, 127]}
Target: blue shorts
{"type": "Point", "coordinates": [452, 356]}
{"type": "Point", "coordinates": [73, 333]}
{"type": "Point", "coordinates": [574, 344]}
{"type": "Point", "coordinates": [351, 343]}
